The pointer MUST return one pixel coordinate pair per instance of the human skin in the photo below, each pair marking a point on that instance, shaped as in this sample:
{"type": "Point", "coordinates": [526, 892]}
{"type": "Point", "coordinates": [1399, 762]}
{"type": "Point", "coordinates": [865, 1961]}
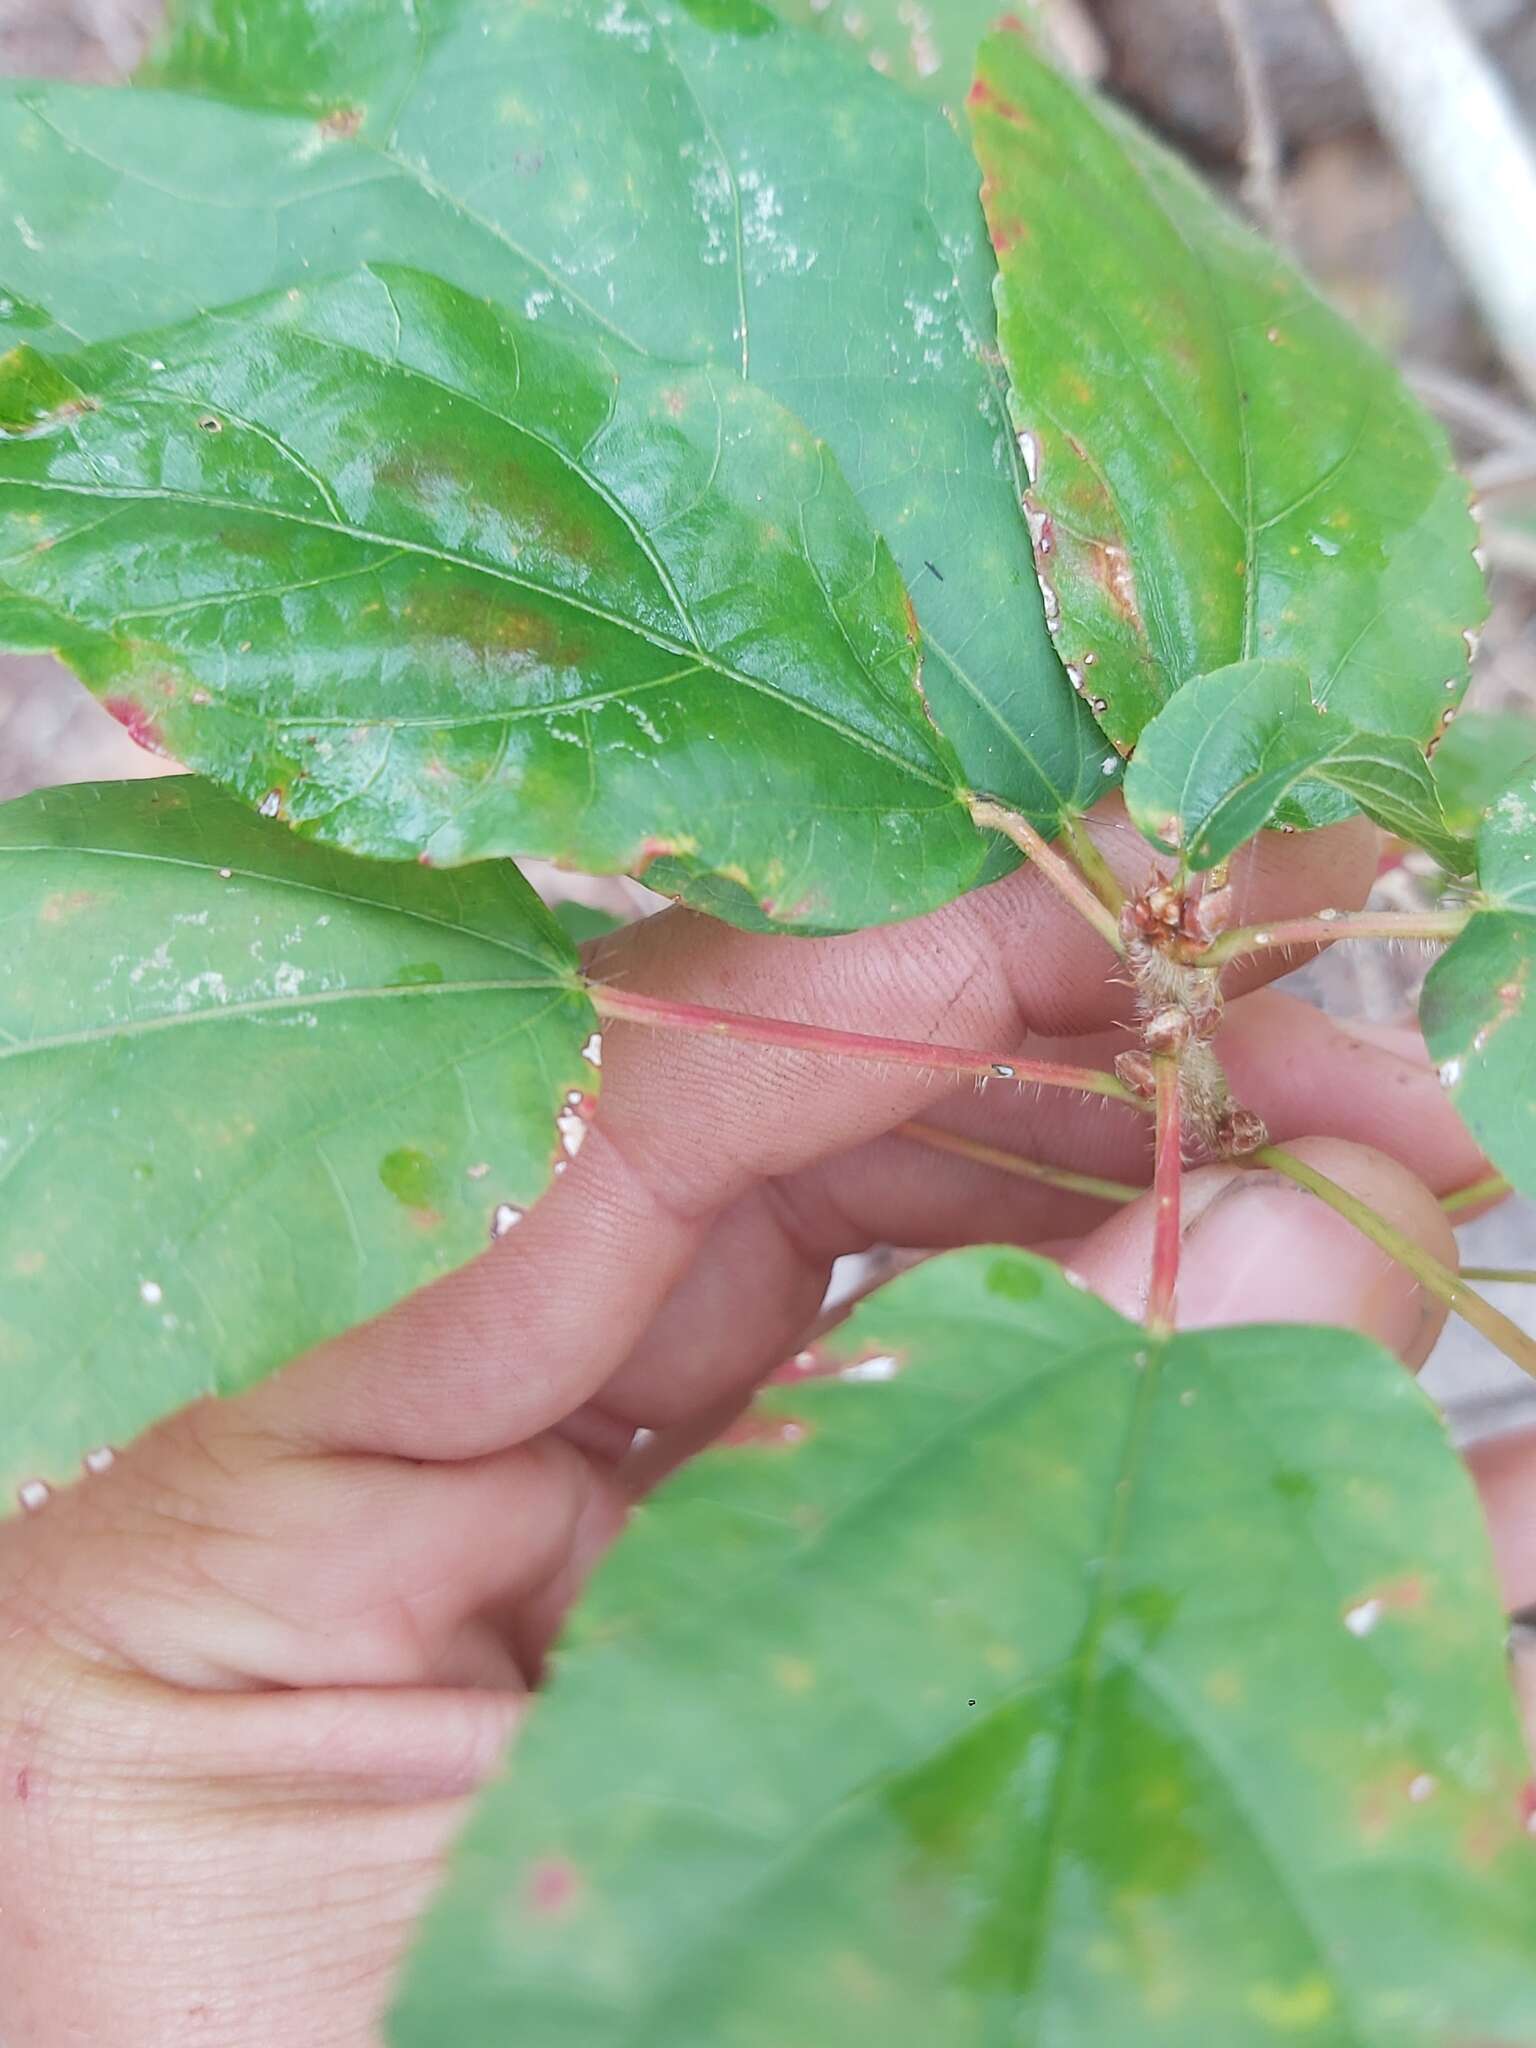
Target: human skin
{"type": "Point", "coordinates": [251, 1675]}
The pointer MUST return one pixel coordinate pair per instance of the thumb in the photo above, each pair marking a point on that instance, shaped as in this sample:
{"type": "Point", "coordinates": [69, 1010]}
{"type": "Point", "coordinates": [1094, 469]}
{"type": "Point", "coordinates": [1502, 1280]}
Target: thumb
{"type": "Point", "coordinates": [1259, 1249]}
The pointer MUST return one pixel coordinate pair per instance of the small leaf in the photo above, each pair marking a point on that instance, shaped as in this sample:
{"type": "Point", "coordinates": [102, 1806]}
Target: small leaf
{"type": "Point", "coordinates": [1506, 847]}
{"type": "Point", "coordinates": [453, 585]}
{"type": "Point", "coordinates": [705, 183]}
{"type": "Point", "coordinates": [1477, 1010]}
{"type": "Point", "coordinates": [251, 1094]}
{"type": "Point", "coordinates": [1224, 470]}
{"type": "Point", "coordinates": [1036, 1683]}
{"type": "Point", "coordinates": [1476, 760]}
{"type": "Point", "coordinates": [1219, 760]}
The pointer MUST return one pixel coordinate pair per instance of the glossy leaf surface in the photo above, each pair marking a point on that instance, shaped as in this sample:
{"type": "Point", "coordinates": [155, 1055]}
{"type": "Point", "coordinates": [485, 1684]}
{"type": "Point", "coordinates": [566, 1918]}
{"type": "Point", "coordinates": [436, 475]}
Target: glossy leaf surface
{"type": "Point", "coordinates": [441, 582]}
{"type": "Point", "coordinates": [1223, 468]}
{"type": "Point", "coordinates": [702, 182]}
{"type": "Point", "coordinates": [1034, 1685]}
{"type": "Point", "coordinates": [1222, 756]}
{"type": "Point", "coordinates": [1478, 1009]}
{"type": "Point", "coordinates": [251, 1094]}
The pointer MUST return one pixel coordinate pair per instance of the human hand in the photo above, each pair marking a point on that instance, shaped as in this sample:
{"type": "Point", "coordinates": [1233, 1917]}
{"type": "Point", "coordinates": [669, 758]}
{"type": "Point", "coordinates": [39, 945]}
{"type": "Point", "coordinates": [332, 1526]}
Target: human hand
{"type": "Point", "coordinates": [250, 1674]}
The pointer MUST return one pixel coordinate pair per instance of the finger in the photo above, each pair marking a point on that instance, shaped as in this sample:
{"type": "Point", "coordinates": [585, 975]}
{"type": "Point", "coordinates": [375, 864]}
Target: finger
{"type": "Point", "coordinates": [1304, 1072]}
{"type": "Point", "coordinates": [1258, 1249]}
{"type": "Point", "coordinates": [688, 1126]}
{"type": "Point", "coordinates": [742, 1305]}
{"type": "Point", "coordinates": [210, 1557]}
{"type": "Point", "coordinates": [1505, 1472]}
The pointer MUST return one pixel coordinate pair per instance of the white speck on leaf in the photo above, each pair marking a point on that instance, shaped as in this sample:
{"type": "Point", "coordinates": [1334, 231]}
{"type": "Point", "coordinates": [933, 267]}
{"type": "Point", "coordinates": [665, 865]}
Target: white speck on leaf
{"type": "Point", "coordinates": [1361, 1619]}
{"type": "Point", "coordinates": [506, 1218]}
{"type": "Point", "coordinates": [151, 1293]}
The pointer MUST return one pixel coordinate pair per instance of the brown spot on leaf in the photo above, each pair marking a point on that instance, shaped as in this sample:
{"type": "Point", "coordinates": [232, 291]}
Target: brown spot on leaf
{"type": "Point", "coordinates": [1110, 567]}
{"type": "Point", "coordinates": [342, 123]}
{"type": "Point", "coordinates": [65, 903]}
{"type": "Point", "coordinates": [508, 635]}
{"type": "Point", "coordinates": [983, 97]}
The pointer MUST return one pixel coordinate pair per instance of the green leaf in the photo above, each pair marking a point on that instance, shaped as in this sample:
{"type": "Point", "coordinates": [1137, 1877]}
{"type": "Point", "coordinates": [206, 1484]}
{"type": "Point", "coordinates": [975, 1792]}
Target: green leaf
{"type": "Point", "coordinates": [705, 183]}
{"type": "Point", "coordinates": [1479, 1026]}
{"type": "Point", "coordinates": [1223, 469]}
{"type": "Point", "coordinates": [1477, 1009]}
{"type": "Point", "coordinates": [1065, 1688]}
{"type": "Point", "coordinates": [1476, 761]}
{"type": "Point", "coordinates": [1220, 758]}
{"type": "Point", "coordinates": [581, 922]}
{"type": "Point", "coordinates": [928, 46]}
{"type": "Point", "coordinates": [251, 1094]}
{"type": "Point", "coordinates": [352, 61]}
{"type": "Point", "coordinates": [440, 581]}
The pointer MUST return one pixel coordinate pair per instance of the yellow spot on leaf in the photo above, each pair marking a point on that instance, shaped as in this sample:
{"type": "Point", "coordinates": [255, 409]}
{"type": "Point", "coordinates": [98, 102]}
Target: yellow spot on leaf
{"type": "Point", "coordinates": [794, 1674]}
{"type": "Point", "coordinates": [1293, 2009]}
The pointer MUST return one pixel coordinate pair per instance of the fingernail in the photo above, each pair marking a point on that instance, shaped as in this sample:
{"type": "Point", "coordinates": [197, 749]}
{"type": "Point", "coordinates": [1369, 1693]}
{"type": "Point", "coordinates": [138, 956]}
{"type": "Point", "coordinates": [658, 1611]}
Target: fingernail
{"type": "Point", "coordinates": [1267, 1252]}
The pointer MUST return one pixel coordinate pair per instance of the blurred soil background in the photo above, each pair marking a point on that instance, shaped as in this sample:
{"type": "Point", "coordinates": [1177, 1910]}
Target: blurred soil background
{"type": "Point", "coordinates": [1340, 197]}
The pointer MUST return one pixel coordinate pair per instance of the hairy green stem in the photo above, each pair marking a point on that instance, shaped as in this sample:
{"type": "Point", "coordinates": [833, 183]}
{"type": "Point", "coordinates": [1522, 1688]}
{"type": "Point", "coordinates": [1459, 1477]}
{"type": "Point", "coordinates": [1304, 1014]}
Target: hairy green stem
{"type": "Point", "coordinates": [1056, 868]}
{"type": "Point", "coordinates": [1116, 1191]}
{"type": "Point", "coordinates": [1327, 927]}
{"type": "Point", "coordinates": [1436, 1279]}
{"type": "Point", "coordinates": [659, 1013]}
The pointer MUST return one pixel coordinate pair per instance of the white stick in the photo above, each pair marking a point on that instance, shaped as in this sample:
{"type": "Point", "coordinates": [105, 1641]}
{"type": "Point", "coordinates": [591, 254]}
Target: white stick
{"type": "Point", "coordinates": [1454, 126]}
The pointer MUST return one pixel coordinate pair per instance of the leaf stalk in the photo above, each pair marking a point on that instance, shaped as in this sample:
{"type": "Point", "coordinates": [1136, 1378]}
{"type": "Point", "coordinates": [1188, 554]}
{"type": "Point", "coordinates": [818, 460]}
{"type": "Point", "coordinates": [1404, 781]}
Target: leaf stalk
{"type": "Point", "coordinates": [1436, 1279]}
{"type": "Point", "coordinates": [1063, 877]}
{"type": "Point", "coordinates": [659, 1013]}
{"type": "Point", "coordinates": [1328, 927]}
{"type": "Point", "coordinates": [1118, 1192]}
